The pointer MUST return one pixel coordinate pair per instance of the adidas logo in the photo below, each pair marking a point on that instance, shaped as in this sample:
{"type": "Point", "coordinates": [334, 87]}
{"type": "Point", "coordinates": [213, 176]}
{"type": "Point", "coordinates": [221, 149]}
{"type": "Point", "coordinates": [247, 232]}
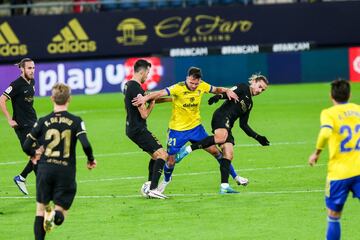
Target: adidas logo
{"type": "Point", "coordinates": [71, 39]}
{"type": "Point", "coordinates": [9, 42]}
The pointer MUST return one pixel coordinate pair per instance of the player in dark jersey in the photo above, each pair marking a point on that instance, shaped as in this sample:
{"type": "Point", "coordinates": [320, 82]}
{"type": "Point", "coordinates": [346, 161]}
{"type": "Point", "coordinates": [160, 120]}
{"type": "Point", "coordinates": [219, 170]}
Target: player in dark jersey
{"type": "Point", "coordinates": [56, 159]}
{"type": "Point", "coordinates": [223, 121]}
{"type": "Point", "coordinates": [21, 93]}
{"type": "Point", "coordinates": [136, 129]}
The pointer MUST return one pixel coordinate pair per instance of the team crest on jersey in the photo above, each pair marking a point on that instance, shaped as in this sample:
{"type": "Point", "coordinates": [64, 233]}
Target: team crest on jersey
{"type": "Point", "coordinates": [8, 90]}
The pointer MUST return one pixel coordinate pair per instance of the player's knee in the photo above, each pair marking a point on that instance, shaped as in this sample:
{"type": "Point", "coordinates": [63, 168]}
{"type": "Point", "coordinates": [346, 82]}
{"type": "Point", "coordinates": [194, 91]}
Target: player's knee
{"type": "Point", "coordinates": [220, 138]}
{"type": "Point", "coordinates": [334, 214]}
{"type": "Point", "coordinates": [163, 155]}
{"type": "Point", "coordinates": [228, 156]}
{"type": "Point", "coordinates": [170, 161]}
{"type": "Point", "coordinates": [59, 218]}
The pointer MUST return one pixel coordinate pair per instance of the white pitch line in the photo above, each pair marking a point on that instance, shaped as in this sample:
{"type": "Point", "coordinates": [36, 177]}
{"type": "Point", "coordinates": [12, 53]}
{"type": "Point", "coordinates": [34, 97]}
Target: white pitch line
{"type": "Point", "coordinates": [141, 152]}
{"type": "Point", "coordinates": [185, 174]}
{"type": "Point", "coordinates": [182, 194]}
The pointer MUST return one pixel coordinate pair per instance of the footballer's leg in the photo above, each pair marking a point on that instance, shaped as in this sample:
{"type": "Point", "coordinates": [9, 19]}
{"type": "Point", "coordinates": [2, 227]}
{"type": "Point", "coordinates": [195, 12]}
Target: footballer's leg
{"type": "Point", "coordinates": [168, 170]}
{"type": "Point", "coordinates": [49, 218]}
{"type": "Point", "coordinates": [159, 155]}
{"type": "Point", "coordinates": [39, 230]}
{"type": "Point", "coordinates": [334, 229]}
{"type": "Point", "coordinates": [213, 150]}
{"type": "Point", "coordinates": [225, 163]}
{"type": "Point", "coordinates": [60, 214]}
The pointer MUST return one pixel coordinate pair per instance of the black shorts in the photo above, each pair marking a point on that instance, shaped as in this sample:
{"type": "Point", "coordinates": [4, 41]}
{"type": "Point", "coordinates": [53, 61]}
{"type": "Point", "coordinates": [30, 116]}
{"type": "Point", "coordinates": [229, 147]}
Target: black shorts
{"type": "Point", "coordinates": [21, 133]}
{"type": "Point", "coordinates": [222, 122]}
{"type": "Point", "coordinates": [53, 184]}
{"type": "Point", "coordinates": [145, 140]}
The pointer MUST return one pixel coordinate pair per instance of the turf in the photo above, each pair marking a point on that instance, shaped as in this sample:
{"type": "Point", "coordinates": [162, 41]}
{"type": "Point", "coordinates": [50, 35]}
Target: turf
{"type": "Point", "coordinates": [284, 200]}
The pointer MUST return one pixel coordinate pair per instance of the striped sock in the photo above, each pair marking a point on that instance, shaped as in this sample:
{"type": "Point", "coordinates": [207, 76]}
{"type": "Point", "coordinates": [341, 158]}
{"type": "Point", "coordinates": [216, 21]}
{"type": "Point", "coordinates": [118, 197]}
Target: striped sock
{"type": "Point", "coordinates": [333, 230]}
{"type": "Point", "coordinates": [167, 172]}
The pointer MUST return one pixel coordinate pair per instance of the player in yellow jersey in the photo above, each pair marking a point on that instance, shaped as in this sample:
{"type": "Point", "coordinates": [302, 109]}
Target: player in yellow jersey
{"type": "Point", "coordinates": [340, 129]}
{"type": "Point", "coordinates": [185, 123]}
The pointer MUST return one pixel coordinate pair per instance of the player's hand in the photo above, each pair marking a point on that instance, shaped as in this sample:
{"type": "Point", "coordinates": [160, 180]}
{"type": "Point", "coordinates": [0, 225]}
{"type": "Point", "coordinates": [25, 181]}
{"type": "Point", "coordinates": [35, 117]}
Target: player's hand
{"type": "Point", "coordinates": [90, 165]}
{"type": "Point", "coordinates": [262, 140]}
{"type": "Point", "coordinates": [313, 159]}
{"type": "Point", "coordinates": [138, 100]}
{"type": "Point", "coordinates": [38, 152]}
{"type": "Point", "coordinates": [12, 123]}
{"type": "Point", "coordinates": [214, 99]}
{"type": "Point", "coordinates": [232, 95]}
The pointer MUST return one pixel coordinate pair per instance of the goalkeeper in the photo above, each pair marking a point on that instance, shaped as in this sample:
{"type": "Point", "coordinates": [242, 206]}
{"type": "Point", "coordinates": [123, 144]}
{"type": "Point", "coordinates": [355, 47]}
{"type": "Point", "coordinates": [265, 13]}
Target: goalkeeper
{"type": "Point", "coordinates": [223, 121]}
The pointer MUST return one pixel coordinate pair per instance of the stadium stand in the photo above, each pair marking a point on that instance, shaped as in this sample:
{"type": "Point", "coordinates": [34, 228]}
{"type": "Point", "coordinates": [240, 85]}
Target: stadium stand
{"type": "Point", "coordinates": [49, 7]}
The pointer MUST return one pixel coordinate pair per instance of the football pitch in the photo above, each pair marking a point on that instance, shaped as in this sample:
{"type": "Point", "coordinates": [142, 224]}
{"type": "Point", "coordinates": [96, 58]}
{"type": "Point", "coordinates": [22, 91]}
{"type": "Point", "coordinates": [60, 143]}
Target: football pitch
{"type": "Point", "coordinates": [284, 200]}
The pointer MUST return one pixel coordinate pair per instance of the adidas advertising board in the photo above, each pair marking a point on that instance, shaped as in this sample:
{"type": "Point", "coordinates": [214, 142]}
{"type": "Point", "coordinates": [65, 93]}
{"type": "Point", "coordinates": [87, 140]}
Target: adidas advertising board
{"type": "Point", "coordinates": [10, 44]}
{"type": "Point", "coordinates": [200, 31]}
{"type": "Point", "coordinates": [71, 39]}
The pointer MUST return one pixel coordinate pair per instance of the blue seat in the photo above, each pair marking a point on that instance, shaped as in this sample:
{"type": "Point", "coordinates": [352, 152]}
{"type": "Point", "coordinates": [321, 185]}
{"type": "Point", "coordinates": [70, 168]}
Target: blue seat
{"type": "Point", "coordinates": [176, 3]}
{"type": "Point", "coordinates": [161, 4]}
{"type": "Point", "coordinates": [196, 2]}
{"type": "Point", "coordinates": [226, 2]}
{"type": "Point", "coordinates": [108, 5]}
{"type": "Point", "coordinates": [192, 2]}
{"type": "Point", "coordinates": [145, 4]}
{"type": "Point", "coordinates": [126, 4]}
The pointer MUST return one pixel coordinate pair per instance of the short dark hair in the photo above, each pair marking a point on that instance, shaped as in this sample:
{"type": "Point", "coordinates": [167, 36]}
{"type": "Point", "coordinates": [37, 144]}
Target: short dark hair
{"type": "Point", "coordinates": [141, 64]}
{"type": "Point", "coordinates": [194, 72]}
{"type": "Point", "coordinates": [340, 90]}
{"type": "Point", "coordinates": [22, 62]}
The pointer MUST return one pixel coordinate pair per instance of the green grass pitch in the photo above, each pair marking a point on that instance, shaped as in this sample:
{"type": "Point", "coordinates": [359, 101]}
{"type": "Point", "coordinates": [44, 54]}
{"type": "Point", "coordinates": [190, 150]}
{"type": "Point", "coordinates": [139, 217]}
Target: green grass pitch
{"type": "Point", "coordinates": [284, 200]}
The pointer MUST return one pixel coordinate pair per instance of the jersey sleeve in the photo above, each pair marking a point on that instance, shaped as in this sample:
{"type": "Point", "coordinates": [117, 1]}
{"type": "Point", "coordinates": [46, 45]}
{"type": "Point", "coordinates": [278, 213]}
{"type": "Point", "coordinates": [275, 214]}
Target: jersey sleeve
{"type": "Point", "coordinates": [32, 137]}
{"type": "Point", "coordinates": [326, 128]}
{"type": "Point", "coordinates": [132, 91]}
{"type": "Point", "coordinates": [35, 132]}
{"type": "Point", "coordinates": [173, 90]}
{"type": "Point", "coordinates": [80, 128]}
{"type": "Point", "coordinates": [325, 120]}
{"type": "Point", "coordinates": [11, 91]}
{"type": "Point", "coordinates": [205, 87]}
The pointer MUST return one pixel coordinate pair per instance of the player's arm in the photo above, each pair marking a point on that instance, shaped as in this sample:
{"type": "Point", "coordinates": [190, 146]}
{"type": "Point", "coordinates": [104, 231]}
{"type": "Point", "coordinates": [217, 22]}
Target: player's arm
{"type": "Point", "coordinates": [164, 99]}
{"type": "Point", "coordinates": [140, 100]}
{"type": "Point", "coordinates": [243, 122]}
{"type": "Point", "coordinates": [227, 93]}
{"type": "Point", "coordinates": [91, 162]}
{"type": "Point", "coordinates": [27, 146]}
{"type": "Point", "coordinates": [223, 93]}
{"type": "Point", "coordinates": [31, 138]}
{"type": "Point", "coordinates": [3, 107]}
{"type": "Point", "coordinates": [322, 139]}
{"type": "Point", "coordinates": [145, 110]}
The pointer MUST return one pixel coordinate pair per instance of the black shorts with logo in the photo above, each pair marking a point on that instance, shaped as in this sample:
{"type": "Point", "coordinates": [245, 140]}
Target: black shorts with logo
{"type": "Point", "coordinates": [222, 122]}
{"type": "Point", "coordinates": [22, 132]}
{"type": "Point", "coordinates": [145, 140]}
{"type": "Point", "coordinates": [53, 184]}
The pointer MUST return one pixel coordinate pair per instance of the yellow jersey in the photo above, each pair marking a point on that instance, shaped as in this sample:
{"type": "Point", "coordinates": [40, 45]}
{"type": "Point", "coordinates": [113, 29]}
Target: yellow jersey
{"type": "Point", "coordinates": [342, 123]}
{"type": "Point", "coordinates": [186, 105]}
